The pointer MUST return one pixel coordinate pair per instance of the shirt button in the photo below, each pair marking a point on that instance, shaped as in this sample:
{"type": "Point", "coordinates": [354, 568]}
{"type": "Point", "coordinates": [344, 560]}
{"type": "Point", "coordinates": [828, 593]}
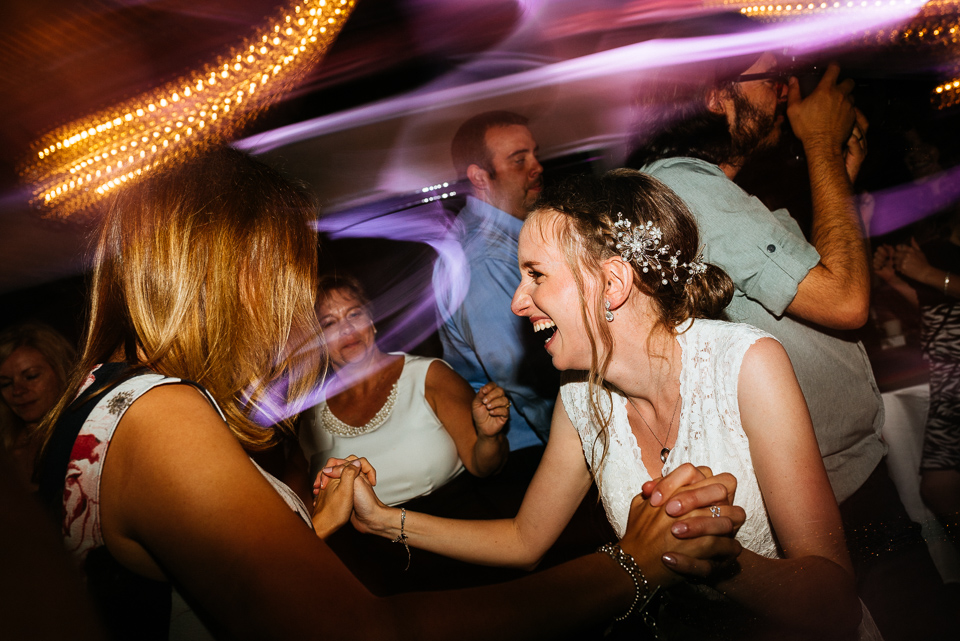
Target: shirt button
{"type": "Point", "coordinates": [771, 248]}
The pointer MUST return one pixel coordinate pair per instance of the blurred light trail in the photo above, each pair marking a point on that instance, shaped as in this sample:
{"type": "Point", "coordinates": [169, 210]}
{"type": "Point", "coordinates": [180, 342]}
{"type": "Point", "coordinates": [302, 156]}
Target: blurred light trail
{"type": "Point", "coordinates": [900, 206]}
{"type": "Point", "coordinates": [632, 61]}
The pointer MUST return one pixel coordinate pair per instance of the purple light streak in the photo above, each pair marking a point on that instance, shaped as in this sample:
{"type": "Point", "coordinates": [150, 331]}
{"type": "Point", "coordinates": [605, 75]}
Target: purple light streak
{"type": "Point", "coordinates": [632, 61]}
{"type": "Point", "coordinates": [899, 206]}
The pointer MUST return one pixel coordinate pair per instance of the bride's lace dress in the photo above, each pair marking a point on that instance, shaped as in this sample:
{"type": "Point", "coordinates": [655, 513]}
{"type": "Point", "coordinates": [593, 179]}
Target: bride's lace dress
{"type": "Point", "coordinates": [710, 431]}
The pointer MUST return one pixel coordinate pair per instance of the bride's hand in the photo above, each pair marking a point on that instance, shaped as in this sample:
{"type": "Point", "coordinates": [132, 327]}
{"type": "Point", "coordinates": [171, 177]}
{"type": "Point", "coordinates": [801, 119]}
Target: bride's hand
{"type": "Point", "coordinates": [693, 487]}
{"type": "Point", "coordinates": [651, 537]}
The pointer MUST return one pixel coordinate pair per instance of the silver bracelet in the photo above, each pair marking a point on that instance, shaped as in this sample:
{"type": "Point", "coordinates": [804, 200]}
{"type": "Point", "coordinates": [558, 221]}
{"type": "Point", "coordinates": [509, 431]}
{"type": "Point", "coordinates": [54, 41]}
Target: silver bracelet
{"type": "Point", "coordinates": [946, 283]}
{"type": "Point", "coordinates": [402, 537]}
{"type": "Point", "coordinates": [642, 591]}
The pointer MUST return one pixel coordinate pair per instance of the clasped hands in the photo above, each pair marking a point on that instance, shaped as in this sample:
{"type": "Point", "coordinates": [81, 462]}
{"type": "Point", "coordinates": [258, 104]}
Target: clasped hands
{"type": "Point", "coordinates": [681, 525]}
{"type": "Point", "coordinates": [334, 490]}
{"type": "Point", "coordinates": [908, 260]}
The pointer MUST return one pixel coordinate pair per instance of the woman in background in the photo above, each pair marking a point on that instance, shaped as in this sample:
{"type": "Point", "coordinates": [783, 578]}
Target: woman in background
{"type": "Point", "coordinates": [928, 276]}
{"type": "Point", "coordinates": [418, 423]}
{"type": "Point", "coordinates": [35, 360]}
{"type": "Point", "coordinates": [413, 418]}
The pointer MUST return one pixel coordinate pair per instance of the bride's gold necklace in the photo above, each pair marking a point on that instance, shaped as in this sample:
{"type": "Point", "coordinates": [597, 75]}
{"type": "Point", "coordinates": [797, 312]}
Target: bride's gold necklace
{"type": "Point", "coordinates": [665, 451]}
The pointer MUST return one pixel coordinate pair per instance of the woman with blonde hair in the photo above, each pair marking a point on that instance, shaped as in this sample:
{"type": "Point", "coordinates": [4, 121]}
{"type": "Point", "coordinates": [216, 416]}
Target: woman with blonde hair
{"type": "Point", "coordinates": [611, 274]}
{"type": "Point", "coordinates": [203, 285]}
{"type": "Point", "coordinates": [35, 360]}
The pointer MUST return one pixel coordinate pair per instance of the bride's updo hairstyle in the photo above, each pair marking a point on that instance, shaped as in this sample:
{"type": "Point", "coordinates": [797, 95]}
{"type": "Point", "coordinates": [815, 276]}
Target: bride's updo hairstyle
{"type": "Point", "coordinates": [588, 234]}
{"type": "Point", "coordinates": [584, 211]}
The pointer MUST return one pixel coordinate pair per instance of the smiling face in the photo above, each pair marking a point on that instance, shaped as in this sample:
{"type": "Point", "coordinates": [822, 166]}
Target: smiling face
{"type": "Point", "coordinates": [514, 183]}
{"type": "Point", "coordinates": [548, 294]}
{"type": "Point", "coordinates": [29, 384]}
{"type": "Point", "coordinates": [347, 328]}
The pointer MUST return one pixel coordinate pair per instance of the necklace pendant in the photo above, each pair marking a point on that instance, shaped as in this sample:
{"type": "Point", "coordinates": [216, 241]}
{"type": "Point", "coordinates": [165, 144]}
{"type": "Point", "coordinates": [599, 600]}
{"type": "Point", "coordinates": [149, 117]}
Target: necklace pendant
{"type": "Point", "coordinates": [664, 453]}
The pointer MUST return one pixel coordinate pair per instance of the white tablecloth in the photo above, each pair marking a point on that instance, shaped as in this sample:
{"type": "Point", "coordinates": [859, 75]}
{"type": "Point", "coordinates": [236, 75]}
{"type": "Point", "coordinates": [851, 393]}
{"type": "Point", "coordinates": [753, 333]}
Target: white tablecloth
{"type": "Point", "coordinates": [906, 411]}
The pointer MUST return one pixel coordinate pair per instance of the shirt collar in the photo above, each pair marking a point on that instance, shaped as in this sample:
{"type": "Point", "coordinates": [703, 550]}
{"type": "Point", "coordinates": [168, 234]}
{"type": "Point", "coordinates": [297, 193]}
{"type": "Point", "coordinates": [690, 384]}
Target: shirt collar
{"type": "Point", "coordinates": [491, 216]}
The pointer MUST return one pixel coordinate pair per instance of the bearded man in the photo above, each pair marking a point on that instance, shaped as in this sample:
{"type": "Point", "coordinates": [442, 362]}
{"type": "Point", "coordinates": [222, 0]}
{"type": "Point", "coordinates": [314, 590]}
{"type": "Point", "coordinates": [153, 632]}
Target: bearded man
{"type": "Point", "coordinates": [808, 294]}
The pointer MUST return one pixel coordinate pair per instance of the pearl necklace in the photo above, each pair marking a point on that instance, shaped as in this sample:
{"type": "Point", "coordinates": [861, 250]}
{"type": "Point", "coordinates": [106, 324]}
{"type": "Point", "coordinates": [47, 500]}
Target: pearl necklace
{"type": "Point", "coordinates": [335, 426]}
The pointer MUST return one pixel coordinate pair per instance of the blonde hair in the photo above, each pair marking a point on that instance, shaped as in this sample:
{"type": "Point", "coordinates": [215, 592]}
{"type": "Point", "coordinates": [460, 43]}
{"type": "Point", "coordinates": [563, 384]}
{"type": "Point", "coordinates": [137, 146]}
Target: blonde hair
{"type": "Point", "coordinates": [55, 349]}
{"type": "Point", "coordinates": [584, 210]}
{"type": "Point", "coordinates": [206, 271]}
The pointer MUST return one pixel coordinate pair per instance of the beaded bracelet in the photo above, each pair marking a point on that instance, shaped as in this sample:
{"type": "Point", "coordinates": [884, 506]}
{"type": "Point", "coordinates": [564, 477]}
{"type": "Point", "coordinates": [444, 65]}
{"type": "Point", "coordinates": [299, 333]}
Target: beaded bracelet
{"type": "Point", "coordinates": [402, 537]}
{"type": "Point", "coordinates": [641, 585]}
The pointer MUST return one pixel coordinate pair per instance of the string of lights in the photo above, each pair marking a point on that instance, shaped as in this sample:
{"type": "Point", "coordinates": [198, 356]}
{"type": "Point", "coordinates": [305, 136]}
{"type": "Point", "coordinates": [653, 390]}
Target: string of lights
{"type": "Point", "coordinates": [74, 167]}
{"type": "Point", "coordinates": [782, 10]}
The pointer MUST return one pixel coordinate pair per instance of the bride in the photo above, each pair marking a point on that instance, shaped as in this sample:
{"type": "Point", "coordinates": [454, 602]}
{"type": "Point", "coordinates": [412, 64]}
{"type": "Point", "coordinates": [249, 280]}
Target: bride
{"type": "Point", "coordinates": [611, 274]}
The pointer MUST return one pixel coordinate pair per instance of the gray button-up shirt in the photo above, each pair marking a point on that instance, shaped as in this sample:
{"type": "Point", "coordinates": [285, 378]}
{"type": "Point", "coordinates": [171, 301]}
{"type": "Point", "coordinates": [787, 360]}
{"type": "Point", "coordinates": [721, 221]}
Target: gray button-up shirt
{"type": "Point", "coordinates": [766, 255]}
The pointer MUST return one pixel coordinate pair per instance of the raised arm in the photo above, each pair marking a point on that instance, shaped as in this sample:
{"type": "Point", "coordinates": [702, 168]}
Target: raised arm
{"type": "Point", "coordinates": [812, 590]}
{"type": "Point", "coordinates": [474, 420]}
{"type": "Point", "coordinates": [836, 292]}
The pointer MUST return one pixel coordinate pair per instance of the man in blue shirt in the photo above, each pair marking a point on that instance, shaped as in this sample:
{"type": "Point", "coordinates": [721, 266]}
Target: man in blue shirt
{"type": "Point", "coordinates": [482, 339]}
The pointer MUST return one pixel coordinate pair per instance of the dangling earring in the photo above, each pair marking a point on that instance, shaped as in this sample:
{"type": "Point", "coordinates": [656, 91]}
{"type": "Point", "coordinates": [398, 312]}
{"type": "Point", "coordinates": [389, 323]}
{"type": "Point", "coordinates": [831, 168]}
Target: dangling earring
{"type": "Point", "coordinates": [609, 314]}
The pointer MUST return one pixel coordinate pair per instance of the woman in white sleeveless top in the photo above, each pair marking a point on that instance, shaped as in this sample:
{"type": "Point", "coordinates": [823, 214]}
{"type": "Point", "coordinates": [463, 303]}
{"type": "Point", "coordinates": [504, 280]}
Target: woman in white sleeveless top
{"type": "Point", "coordinates": [413, 418]}
{"type": "Point", "coordinates": [611, 274]}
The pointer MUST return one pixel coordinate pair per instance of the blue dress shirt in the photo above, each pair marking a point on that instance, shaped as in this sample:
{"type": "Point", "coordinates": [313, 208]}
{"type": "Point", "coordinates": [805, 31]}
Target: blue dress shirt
{"type": "Point", "coordinates": [482, 339]}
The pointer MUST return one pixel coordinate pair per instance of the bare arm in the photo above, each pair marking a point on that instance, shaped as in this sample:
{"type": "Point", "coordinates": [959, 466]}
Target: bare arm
{"type": "Point", "coordinates": [560, 483]}
{"type": "Point", "coordinates": [181, 501]}
{"type": "Point", "coordinates": [836, 292]}
{"type": "Point", "coordinates": [474, 420]}
{"type": "Point", "coordinates": [812, 590]}
{"type": "Point", "coordinates": [557, 488]}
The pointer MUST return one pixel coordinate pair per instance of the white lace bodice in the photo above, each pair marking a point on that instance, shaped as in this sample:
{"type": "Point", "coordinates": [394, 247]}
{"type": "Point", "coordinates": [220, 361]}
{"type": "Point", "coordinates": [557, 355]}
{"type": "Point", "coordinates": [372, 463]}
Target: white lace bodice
{"type": "Point", "coordinates": [710, 431]}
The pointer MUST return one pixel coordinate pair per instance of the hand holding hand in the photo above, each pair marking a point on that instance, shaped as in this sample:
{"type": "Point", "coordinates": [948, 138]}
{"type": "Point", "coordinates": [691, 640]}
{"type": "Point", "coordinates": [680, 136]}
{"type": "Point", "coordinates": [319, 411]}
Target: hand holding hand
{"type": "Point", "coordinates": [367, 508]}
{"type": "Point", "coordinates": [883, 263]}
{"type": "Point", "coordinates": [825, 117]}
{"type": "Point", "coordinates": [334, 467]}
{"type": "Point", "coordinates": [700, 488]}
{"type": "Point", "coordinates": [910, 260]}
{"type": "Point", "coordinates": [333, 505]}
{"type": "Point", "coordinates": [491, 409]}
{"type": "Point", "coordinates": [666, 557]}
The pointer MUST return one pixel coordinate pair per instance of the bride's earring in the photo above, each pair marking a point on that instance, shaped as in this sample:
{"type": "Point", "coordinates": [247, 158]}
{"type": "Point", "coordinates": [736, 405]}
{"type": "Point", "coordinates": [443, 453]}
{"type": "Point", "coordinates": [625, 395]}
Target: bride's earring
{"type": "Point", "coordinates": [609, 314]}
